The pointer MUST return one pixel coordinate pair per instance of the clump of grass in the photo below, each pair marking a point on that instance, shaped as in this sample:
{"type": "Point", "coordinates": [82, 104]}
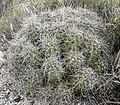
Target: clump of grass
{"type": "Point", "coordinates": [110, 11]}
{"type": "Point", "coordinates": [113, 28]}
{"type": "Point", "coordinates": [62, 52]}
{"type": "Point", "coordinates": [11, 19]}
{"type": "Point", "coordinates": [43, 5]}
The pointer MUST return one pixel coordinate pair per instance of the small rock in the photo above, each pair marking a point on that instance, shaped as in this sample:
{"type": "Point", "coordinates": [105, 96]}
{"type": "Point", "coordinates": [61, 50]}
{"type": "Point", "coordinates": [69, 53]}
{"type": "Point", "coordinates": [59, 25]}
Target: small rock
{"type": "Point", "coordinates": [1, 54]}
{"type": "Point", "coordinates": [1, 58]}
{"type": "Point", "coordinates": [2, 102]}
{"type": "Point", "coordinates": [32, 102]}
{"type": "Point", "coordinates": [17, 99]}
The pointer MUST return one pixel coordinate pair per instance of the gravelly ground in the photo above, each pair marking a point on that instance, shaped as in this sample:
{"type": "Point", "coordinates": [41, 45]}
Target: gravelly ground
{"type": "Point", "coordinates": [9, 90]}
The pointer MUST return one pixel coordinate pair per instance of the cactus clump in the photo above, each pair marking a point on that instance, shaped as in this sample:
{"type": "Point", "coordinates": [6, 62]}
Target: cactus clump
{"type": "Point", "coordinates": [58, 53]}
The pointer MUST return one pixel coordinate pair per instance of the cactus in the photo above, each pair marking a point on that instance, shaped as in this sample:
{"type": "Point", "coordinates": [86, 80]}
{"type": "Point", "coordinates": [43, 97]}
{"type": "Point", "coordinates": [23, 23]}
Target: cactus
{"type": "Point", "coordinates": [61, 52]}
